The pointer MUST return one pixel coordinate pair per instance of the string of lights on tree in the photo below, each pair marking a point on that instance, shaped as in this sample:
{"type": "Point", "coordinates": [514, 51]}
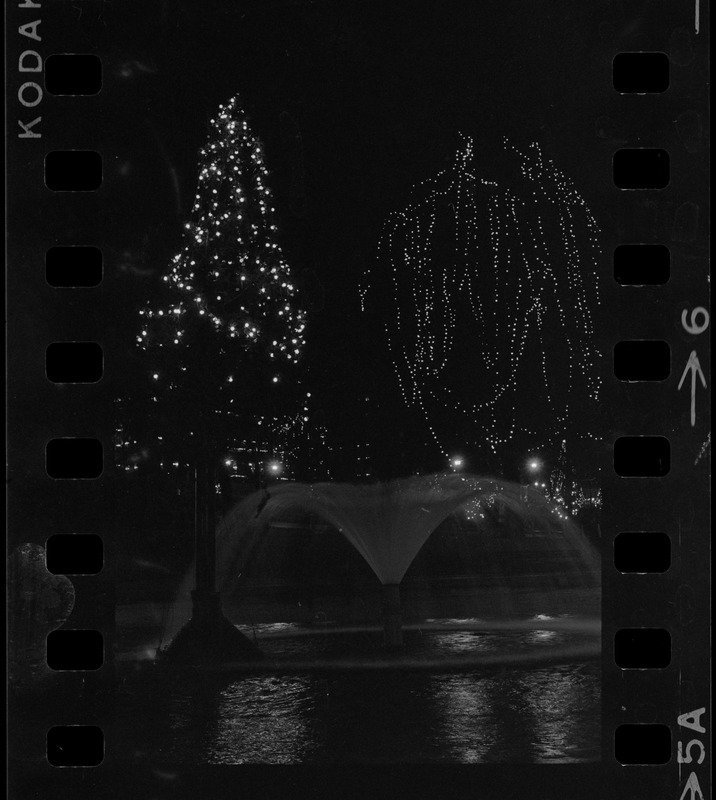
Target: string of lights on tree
{"type": "Point", "coordinates": [492, 291]}
{"type": "Point", "coordinates": [229, 323]}
{"type": "Point", "coordinates": [568, 495]}
{"type": "Point", "coordinates": [565, 488]}
{"type": "Point", "coordinates": [231, 268]}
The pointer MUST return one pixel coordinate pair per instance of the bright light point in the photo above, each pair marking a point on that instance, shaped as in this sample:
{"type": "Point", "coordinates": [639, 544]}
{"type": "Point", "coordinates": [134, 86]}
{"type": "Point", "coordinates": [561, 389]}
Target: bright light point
{"type": "Point", "coordinates": [275, 378]}
{"type": "Point", "coordinates": [457, 462]}
{"type": "Point", "coordinates": [533, 465]}
{"type": "Point", "coordinates": [227, 462]}
{"type": "Point", "coordinates": [274, 468]}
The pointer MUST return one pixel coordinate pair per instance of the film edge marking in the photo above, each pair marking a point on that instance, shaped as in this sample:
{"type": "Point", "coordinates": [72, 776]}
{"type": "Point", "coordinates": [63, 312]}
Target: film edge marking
{"type": "Point", "coordinates": [30, 31]}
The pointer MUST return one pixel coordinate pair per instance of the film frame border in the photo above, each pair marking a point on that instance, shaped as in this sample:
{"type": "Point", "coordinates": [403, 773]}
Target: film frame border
{"type": "Point", "coordinates": [668, 600]}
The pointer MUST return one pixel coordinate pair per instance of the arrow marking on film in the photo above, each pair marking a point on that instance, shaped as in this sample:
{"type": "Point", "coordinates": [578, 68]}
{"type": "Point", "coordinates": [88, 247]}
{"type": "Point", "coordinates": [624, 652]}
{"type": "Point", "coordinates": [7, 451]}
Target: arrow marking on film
{"type": "Point", "coordinates": [694, 367]}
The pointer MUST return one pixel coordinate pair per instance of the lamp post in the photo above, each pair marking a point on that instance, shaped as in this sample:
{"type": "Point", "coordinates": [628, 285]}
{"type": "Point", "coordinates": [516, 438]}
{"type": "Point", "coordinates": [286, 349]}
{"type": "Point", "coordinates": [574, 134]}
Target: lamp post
{"type": "Point", "coordinates": [271, 469]}
{"type": "Point", "coordinates": [533, 467]}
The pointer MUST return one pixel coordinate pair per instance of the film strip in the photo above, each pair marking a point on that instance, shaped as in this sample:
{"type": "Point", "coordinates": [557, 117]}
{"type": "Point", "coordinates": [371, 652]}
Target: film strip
{"type": "Point", "coordinates": [661, 625]}
{"type": "Point", "coordinates": [66, 141]}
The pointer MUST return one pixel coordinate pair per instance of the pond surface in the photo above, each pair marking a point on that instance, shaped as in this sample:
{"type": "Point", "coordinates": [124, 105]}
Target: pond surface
{"type": "Point", "coordinates": [504, 712]}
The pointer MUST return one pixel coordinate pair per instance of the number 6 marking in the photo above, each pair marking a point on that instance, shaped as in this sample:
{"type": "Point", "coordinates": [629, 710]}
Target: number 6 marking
{"type": "Point", "coordinates": [693, 326]}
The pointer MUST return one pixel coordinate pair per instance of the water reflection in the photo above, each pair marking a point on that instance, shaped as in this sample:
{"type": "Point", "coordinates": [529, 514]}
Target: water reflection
{"type": "Point", "coordinates": [505, 714]}
{"type": "Point", "coordinates": [543, 637]}
{"type": "Point", "coordinates": [564, 705]}
{"type": "Point", "coordinates": [464, 642]}
{"type": "Point", "coordinates": [541, 716]}
{"type": "Point", "coordinates": [469, 718]}
{"type": "Point", "coordinates": [263, 720]}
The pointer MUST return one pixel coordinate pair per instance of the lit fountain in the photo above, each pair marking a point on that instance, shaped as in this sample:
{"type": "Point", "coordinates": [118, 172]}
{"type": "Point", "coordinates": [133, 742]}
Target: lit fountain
{"type": "Point", "coordinates": [387, 523]}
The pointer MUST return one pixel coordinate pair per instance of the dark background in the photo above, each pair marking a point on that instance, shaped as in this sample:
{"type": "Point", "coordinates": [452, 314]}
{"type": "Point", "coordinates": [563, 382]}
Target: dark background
{"type": "Point", "coordinates": [378, 96]}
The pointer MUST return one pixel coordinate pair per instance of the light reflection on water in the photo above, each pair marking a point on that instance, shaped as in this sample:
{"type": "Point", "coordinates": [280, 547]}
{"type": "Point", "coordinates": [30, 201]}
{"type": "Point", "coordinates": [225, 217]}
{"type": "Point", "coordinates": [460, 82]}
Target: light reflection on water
{"type": "Point", "coordinates": [545, 715]}
{"type": "Point", "coordinates": [540, 716]}
{"type": "Point", "coordinates": [261, 716]}
{"type": "Point", "coordinates": [542, 637]}
{"type": "Point", "coordinates": [559, 701]}
{"type": "Point", "coordinates": [465, 642]}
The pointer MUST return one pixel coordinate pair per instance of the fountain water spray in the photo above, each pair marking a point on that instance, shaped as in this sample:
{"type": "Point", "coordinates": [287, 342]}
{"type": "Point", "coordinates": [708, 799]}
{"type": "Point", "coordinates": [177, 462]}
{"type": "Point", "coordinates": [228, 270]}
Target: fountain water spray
{"type": "Point", "coordinates": [387, 523]}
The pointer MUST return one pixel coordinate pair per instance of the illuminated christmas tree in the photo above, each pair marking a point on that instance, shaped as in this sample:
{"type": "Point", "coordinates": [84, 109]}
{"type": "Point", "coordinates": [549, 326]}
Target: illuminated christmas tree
{"type": "Point", "coordinates": [228, 328]}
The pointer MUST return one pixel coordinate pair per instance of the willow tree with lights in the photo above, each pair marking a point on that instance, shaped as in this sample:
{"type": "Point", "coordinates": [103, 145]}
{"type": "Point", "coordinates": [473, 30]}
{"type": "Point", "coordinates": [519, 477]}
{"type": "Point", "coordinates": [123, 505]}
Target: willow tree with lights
{"type": "Point", "coordinates": [228, 330]}
{"type": "Point", "coordinates": [488, 294]}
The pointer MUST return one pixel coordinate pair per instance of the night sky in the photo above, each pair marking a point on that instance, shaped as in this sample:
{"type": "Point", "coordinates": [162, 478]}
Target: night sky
{"type": "Point", "coordinates": [354, 103]}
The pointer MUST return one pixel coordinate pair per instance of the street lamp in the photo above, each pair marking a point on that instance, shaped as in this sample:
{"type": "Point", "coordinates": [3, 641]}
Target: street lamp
{"type": "Point", "coordinates": [534, 465]}
{"type": "Point", "coordinates": [457, 463]}
{"type": "Point", "coordinates": [274, 468]}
